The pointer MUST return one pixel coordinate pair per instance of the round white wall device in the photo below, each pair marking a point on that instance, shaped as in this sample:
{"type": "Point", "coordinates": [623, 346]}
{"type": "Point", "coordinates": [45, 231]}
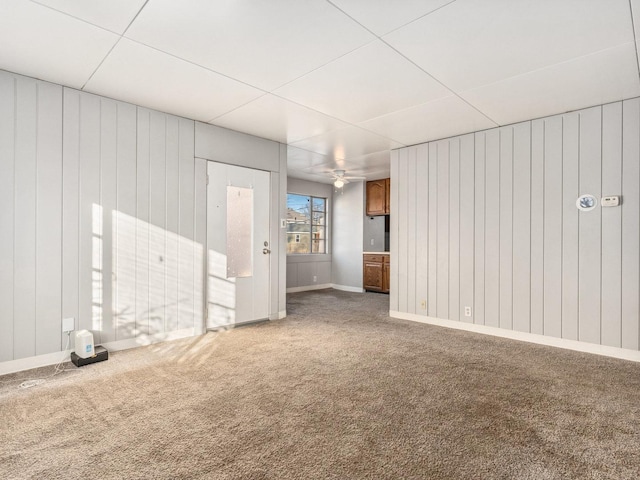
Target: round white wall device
{"type": "Point", "coordinates": [586, 202]}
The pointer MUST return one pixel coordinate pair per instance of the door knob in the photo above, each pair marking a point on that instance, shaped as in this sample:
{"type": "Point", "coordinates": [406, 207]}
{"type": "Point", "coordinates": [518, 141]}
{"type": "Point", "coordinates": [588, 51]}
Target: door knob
{"type": "Point", "coordinates": [266, 251]}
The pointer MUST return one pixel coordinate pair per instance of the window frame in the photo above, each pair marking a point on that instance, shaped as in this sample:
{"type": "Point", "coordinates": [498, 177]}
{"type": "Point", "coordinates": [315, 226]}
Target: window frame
{"type": "Point", "coordinates": [313, 227]}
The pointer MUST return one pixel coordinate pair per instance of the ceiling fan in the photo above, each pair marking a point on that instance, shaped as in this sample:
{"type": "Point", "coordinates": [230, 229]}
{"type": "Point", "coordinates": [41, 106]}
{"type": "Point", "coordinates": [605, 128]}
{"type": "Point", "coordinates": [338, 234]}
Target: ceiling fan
{"type": "Point", "coordinates": [340, 179]}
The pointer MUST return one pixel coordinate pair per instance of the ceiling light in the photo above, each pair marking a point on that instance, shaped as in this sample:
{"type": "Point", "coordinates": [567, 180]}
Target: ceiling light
{"type": "Point", "coordinates": [338, 183]}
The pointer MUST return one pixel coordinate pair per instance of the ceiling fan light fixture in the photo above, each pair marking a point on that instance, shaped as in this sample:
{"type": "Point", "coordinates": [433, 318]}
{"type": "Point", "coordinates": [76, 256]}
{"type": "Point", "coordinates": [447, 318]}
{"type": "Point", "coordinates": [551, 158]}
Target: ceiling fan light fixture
{"type": "Point", "coordinates": [339, 183]}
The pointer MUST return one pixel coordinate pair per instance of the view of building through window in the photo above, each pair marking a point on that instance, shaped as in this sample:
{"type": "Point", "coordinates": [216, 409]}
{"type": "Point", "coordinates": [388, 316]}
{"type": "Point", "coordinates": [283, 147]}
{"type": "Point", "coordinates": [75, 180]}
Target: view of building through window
{"type": "Point", "coordinates": [306, 225]}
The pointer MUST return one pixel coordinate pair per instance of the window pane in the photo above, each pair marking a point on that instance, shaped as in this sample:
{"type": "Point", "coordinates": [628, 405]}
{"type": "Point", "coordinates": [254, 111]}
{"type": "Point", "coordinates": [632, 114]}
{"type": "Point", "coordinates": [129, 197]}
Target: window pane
{"type": "Point", "coordinates": [318, 239]}
{"type": "Point", "coordinates": [317, 246]}
{"type": "Point", "coordinates": [318, 218]}
{"type": "Point", "coordinates": [318, 204]}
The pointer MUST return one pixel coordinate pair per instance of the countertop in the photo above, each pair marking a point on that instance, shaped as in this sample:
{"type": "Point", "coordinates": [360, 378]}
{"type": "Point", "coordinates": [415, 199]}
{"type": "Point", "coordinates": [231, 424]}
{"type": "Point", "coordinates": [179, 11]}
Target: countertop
{"type": "Point", "coordinates": [375, 253]}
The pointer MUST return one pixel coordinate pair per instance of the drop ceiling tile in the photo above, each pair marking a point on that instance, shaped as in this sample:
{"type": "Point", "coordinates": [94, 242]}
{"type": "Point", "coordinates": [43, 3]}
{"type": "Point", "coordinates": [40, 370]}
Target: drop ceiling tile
{"type": "Point", "coordinates": [367, 83]}
{"type": "Point", "coordinates": [300, 159]}
{"type": "Point", "coordinates": [278, 119]}
{"type": "Point", "coordinates": [372, 166]}
{"type": "Point", "coordinates": [147, 77]}
{"type": "Point", "coordinates": [49, 45]}
{"type": "Point", "coordinates": [469, 43]}
{"type": "Point", "coordinates": [382, 17]}
{"type": "Point", "coordinates": [440, 118]}
{"type": "Point", "coordinates": [265, 44]}
{"type": "Point", "coordinates": [347, 142]}
{"type": "Point", "coordinates": [600, 78]}
{"type": "Point", "coordinates": [114, 15]}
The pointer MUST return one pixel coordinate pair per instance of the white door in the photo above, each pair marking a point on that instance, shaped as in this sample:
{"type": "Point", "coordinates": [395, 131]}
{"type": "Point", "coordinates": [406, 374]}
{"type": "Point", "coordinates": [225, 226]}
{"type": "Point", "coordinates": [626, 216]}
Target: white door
{"type": "Point", "coordinates": [237, 241]}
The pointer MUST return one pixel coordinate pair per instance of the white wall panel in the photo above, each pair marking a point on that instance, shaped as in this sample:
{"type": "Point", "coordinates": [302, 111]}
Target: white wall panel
{"type": "Point", "coordinates": [501, 232]}
{"type": "Point", "coordinates": [200, 256]}
{"type": "Point", "coordinates": [411, 229]}
{"type": "Point", "coordinates": [467, 223]}
{"type": "Point", "coordinates": [590, 240]}
{"type": "Point", "coordinates": [522, 227]}
{"type": "Point", "coordinates": [570, 225]}
{"type": "Point", "coordinates": [611, 226]}
{"type": "Point", "coordinates": [7, 212]}
{"type": "Point", "coordinates": [142, 313]}
{"type": "Point", "coordinates": [492, 230]}
{"type": "Point", "coordinates": [403, 226]}
{"type": "Point", "coordinates": [506, 227]}
{"type": "Point", "coordinates": [630, 224]}
{"type": "Point", "coordinates": [479, 229]}
{"type": "Point", "coordinates": [552, 200]}
{"type": "Point", "coordinates": [454, 229]}
{"type": "Point", "coordinates": [537, 227]}
{"type": "Point", "coordinates": [394, 233]}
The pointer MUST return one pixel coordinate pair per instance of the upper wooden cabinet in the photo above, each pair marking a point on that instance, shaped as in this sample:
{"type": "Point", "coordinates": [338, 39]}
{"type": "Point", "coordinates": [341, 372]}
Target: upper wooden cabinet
{"type": "Point", "coordinates": [387, 205]}
{"type": "Point", "coordinates": [378, 197]}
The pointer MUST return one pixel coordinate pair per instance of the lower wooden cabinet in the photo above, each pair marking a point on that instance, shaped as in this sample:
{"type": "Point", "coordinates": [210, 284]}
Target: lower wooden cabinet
{"type": "Point", "coordinates": [376, 272]}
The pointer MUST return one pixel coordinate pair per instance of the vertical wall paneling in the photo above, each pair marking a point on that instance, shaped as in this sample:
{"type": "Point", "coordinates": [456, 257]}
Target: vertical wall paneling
{"type": "Point", "coordinates": [422, 227]}
{"type": "Point", "coordinates": [143, 166]}
{"type": "Point", "coordinates": [479, 228]}
{"type": "Point", "coordinates": [157, 221]}
{"type": "Point", "coordinates": [108, 204]}
{"type": "Point", "coordinates": [25, 219]}
{"type": "Point", "coordinates": [590, 226]}
{"type": "Point", "coordinates": [467, 224]}
{"type": "Point", "coordinates": [506, 227]}
{"type": "Point", "coordinates": [200, 231]}
{"type": "Point", "coordinates": [611, 225]}
{"type": "Point", "coordinates": [172, 159]}
{"type": "Point", "coordinates": [492, 229]}
{"type": "Point", "coordinates": [537, 226]}
{"type": "Point", "coordinates": [124, 224]}
{"type": "Point", "coordinates": [411, 212]}
{"type": "Point", "coordinates": [570, 225]}
{"type": "Point", "coordinates": [522, 227]}
{"type": "Point", "coordinates": [432, 301]}
{"type": "Point", "coordinates": [187, 247]}
{"type": "Point", "coordinates": [394, 236]}
{"type": "Point", "coordinates": [553, 227]}
{"type": "Point", "coordinates": [442, 276]}
{"type": "Point", "coordinates": [7, 196]}
{"type": "Point", "coordinates": [403, 225]}
{"type": "Point", "coordinates": [48, 219]}
{"type": "Point", "coordinates": [454, 229]}
{"type": "Point", "coordinates": [630, 224]}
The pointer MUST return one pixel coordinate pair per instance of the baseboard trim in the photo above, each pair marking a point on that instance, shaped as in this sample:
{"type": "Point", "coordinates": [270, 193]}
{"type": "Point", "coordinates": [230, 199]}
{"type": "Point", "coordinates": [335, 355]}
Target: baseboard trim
{"type": "Point", "coordinates": [278, 316]}
{"type": "Point", "coordinates": [13, 366]}
{"type": "Point", "coordinates": [615, 352]}
{"type": "Point", "coordinates": [308, 288]}
{"type": "Point", "coordinates": [347, 288]}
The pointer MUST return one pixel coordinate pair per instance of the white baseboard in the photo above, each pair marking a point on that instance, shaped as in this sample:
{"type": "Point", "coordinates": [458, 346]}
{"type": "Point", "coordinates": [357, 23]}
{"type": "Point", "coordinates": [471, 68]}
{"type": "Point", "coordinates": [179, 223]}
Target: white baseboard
{"type": "Point", "coordinates": [347, 288]}
{"type": "Point", "coordinates": [308, 288]}
{"type": "Point", "coordinates": [615, 352]}
{"type": "Point", "coordinates": [278, 316]}
{"type": "Point", "coordinates": [38, 361]}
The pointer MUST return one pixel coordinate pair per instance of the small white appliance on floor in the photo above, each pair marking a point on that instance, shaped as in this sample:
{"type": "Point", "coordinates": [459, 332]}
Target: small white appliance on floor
{"type": "Point", "coordinates": [84, 344]}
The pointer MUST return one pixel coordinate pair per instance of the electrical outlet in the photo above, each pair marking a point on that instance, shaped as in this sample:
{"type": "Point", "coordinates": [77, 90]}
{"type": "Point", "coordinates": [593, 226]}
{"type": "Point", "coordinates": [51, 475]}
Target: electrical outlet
{"type": "Point", "coordinates": [423, 304]}
{"type": "Point", "coordinates": [68, 324]}
{"type": "Point", "coordinates": [372, 241]}
{"type": "Point", "coordinates": [315, 279]}
{"type": "Point", "coordinates": [467, 311]}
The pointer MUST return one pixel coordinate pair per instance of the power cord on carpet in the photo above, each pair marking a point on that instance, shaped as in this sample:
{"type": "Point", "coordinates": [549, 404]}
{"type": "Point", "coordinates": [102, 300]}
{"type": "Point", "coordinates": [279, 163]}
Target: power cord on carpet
{"type": "Point", "coordinates": [58, 369]}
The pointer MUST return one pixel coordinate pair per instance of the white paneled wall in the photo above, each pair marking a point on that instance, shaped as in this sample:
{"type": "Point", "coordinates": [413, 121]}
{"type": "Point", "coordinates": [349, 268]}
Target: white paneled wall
{"type": "Point", "coordinates": [30, 216]}
{"type": "Point", "coordinates": [489, 221]}
{"type": "Point", "coordinates": [102, 218]}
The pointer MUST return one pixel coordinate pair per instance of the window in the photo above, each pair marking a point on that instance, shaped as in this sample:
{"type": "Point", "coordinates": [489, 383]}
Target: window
{"type": "Point", "coordinates": [306, 226]}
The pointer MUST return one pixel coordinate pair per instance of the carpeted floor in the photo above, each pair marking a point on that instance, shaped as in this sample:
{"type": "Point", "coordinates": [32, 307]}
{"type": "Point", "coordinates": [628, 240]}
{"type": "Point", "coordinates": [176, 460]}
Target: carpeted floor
{"type": "Point", "coordinates": [337, 390]}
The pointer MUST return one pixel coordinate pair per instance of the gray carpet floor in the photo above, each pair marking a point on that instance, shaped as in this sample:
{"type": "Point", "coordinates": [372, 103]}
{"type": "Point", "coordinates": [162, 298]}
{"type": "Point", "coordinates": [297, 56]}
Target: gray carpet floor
{"type": "Point", "coordinates": [337, 390]}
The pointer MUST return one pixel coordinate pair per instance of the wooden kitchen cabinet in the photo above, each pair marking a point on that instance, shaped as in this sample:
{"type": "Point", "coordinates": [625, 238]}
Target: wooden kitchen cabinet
{"type": "Point", "coordinates": [377, 197]}
{"type": "Point", "coordinates": [387, 185]}
{"type": "Point", "coordinates": [376, 273]}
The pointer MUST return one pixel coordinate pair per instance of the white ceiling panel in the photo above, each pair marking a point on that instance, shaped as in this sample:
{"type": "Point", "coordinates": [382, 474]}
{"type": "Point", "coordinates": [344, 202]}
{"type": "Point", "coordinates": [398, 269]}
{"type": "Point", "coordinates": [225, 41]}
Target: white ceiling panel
{"type": "Point", "coordinates": [441, 118]}
{"type": "Point", "coordinates": [364, 84]}
{"type": "Point", "coordinates": [278, 119]}
{"type": "Point", "coordinates": [147, 77]}
{"type": "Point", "coordinates": [382, 17]}
{"type": "Point", "coordinates": [300, 159]}
{"type": "Point", "coordinates": [470, 43]}
{"type": "Point", "coordinates": [347, 143]}
{"type": "Point", "coordinates": [114, 15]}
{"type": "Point", "coordinates": [42, 43]}
{"type": "Point", "coordinates": [595, 79]}
{"type": "Point", "coordinates": [265, 44]}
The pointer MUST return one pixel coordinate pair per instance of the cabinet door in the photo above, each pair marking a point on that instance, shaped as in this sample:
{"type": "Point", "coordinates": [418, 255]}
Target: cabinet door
{"type": "Point", "coordinates": [385, 276]}
{"type": "Point", "coordinates": [376, 197]}
{"type": "Point", "coordinates": [373, 276]}
{"type": "Point", "coordinates": [387, 189]}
